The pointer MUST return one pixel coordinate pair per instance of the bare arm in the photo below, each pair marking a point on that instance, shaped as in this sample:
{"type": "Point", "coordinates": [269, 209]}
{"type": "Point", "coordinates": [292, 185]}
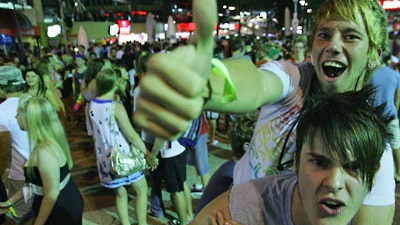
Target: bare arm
{"type": "Point", "coordinates": [48, 82]}
{"type": "Point", "coordinates": [175, 85]}
{"type": "Point", "coordinates": [158, 145]}
{"type": "Point", "coordinates": [254, 88]}
{"type": "Point", "coordinates": [152, 158]}
{"type": "Point", "coordinates": [52, 98]}
{"type": "Point", "coordinates": [124, 123]}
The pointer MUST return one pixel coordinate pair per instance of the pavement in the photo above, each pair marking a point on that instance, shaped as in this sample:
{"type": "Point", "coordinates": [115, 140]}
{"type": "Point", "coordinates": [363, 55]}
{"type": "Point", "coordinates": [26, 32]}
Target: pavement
{"type": "Point", "coordinates": [99, 202]}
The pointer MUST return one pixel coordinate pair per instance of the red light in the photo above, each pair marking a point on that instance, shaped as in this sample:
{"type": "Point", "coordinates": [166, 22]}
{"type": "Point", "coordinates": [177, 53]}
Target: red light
{"type": "Point", "coordinates": [139, 12]}
{"type": "Point", "coordinates": [188, 27]}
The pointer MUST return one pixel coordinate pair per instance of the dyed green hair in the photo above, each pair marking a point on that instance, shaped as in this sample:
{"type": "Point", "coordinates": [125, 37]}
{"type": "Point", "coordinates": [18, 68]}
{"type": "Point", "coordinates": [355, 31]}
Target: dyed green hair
{"type": "Point", "coordinates": [349, 128]}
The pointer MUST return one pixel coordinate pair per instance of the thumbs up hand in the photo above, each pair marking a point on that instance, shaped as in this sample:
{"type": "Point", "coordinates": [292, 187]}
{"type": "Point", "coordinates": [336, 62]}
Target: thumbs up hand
{"type": "Point", "coordinates": [175, 85]}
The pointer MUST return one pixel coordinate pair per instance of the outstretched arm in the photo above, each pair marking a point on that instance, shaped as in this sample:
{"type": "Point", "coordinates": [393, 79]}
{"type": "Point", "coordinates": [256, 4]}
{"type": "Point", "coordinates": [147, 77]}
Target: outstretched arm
{"type": "Point", "coordinates": [125, 125]}
{"type": "Point", "coordinates": [175, 85]}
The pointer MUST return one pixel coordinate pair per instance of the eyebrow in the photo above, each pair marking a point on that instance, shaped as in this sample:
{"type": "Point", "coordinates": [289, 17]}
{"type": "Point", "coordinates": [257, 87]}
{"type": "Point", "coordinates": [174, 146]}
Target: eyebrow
{"type": "Point", "coordinates": [316, 155]}
{"type": "Point", "coordinates": [347, 30]}
{"type": "Point", "coordinates": [344, 164]}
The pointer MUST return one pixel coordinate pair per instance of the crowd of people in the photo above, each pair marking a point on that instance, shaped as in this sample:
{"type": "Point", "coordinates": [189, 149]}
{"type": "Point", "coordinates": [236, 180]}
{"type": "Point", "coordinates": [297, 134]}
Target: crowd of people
{"type": "Point", "coordinates": [314, 125]}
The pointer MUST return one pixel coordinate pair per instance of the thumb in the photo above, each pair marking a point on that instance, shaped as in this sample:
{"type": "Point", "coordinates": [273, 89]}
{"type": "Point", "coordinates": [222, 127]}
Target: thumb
{"type": "Point", "coordinates": [205, 17]}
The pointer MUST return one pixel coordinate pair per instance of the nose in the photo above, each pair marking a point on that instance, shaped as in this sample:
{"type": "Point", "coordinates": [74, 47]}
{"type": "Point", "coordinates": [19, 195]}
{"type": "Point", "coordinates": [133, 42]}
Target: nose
{"type": "Point", "coordinates": [334, 180]}
{"type": "Point", "coordinates": [334, 45]}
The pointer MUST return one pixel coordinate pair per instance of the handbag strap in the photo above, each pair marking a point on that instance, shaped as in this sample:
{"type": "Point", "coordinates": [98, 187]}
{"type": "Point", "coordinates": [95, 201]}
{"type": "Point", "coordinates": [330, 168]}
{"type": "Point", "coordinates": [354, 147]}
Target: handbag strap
{"type": "Point", "coordinates": [113, 122]}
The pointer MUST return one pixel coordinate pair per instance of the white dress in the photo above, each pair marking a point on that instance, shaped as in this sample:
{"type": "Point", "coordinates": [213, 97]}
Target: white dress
{"type": "Point", "coordinates": [104, 135]}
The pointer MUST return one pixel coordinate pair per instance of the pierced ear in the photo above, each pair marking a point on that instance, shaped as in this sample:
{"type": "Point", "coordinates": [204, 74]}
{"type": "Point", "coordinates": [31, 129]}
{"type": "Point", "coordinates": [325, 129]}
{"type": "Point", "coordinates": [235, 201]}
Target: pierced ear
{"type": "Point", "coordinates": [371, 65]}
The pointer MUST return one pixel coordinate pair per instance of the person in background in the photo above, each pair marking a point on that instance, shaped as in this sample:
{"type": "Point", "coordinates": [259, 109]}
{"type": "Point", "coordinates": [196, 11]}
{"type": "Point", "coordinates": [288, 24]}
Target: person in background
{"type": "Point", "coordinates": [236, 49]}
{"type": "Point", "coordinates": [82, 50]}
{"type": "Point", "coordinates": [67, 89]}
{"type": "Point", "coordinates": [212, 118]}
{"type": "Point", "coordinates": [123, 93]}
{"type": "Point", "coordinates": [123, 133]}
{"type": "Point", "coordinates": [88, 88]}
{"type": "Point", "coordinates": [50, 67]}
{"type": "Point", "coordinates": [198, 157]}
{"type": "Point", "coordinates": [14, 140]}
{"type": "Point", "coordinates": [173, 172]}
{"type": "Point", "coordinates": [240, 132]}
{"type": "Point", "coordinates": [394, 62]}
{"type": "Point", "coordinates": [78, 75]}
{"type": "Point", "coordinates": [347, 40]}
{"type": "Point", "coordinates": [333, 173]}
{"type": "Point", "coordinates": [299, 49]}
{"type": "Point", "coordinates": [387, 83]}
{"type": "Point", "coordinates": [112, 56]}
{"type": "Point", "coordinates": [56, 198]}
{"type": "Point", "coordinates": [36, 87]}
{"type": "Point", "coordinates": [308, 55]}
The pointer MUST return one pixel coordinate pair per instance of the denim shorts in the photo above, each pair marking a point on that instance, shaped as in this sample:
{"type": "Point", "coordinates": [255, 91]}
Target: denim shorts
{"type": "Point", "coordinates": [198, 156]}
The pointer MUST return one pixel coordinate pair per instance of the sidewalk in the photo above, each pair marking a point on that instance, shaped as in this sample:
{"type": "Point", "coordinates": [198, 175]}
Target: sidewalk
{"type": "Point", "coordinates": [99, 202]}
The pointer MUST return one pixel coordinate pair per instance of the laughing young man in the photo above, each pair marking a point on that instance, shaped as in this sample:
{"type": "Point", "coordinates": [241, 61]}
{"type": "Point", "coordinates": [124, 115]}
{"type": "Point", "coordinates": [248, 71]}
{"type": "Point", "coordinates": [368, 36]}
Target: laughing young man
{"type": "Point", "coordinates": [346, 43]}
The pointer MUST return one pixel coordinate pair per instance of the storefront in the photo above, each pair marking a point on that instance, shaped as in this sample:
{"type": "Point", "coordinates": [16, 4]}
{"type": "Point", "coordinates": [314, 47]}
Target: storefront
{"type": "Point", "coordinates": [14, 25]}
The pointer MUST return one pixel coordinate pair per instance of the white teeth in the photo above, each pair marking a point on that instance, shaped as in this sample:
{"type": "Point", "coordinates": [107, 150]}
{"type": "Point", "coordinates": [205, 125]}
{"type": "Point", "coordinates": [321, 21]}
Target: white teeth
{"type": "Point", "coordinates": [333, 64]}
{"type": "Point", "coordinates": [331, 202]}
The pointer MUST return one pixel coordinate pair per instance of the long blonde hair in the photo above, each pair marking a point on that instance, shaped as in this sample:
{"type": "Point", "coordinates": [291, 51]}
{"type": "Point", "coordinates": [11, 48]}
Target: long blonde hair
{"type": "Point", "coordinates": [44, 128]}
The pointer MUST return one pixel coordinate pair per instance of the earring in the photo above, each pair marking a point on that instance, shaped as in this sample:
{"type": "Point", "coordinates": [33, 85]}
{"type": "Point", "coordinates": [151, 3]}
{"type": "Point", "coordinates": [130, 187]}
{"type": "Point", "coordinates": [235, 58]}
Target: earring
{"type": "Point", "coordinates": [371, 65]}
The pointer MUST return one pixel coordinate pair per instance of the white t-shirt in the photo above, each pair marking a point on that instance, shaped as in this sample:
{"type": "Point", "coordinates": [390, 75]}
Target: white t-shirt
{"type": "Point", "coordinates": [171, 149]}
{"type": "Point", "coordinates": [20, 150]}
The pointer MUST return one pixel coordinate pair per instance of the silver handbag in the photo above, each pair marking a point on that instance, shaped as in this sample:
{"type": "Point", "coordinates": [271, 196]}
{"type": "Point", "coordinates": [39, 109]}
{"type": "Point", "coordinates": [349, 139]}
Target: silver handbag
{"type": "Point", "coordinates": [124, 164]}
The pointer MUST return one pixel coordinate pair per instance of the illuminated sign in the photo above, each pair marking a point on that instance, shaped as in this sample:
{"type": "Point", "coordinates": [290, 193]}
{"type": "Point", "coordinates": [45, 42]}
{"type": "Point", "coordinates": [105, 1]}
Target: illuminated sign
{"type": "Point", "coordinates": [113, 29]}
{"type": "Point", "coordinates": [6, 39]}
{"type": "Point", "coordinates": [124, 26]}
{"type": "Point", "coordinates": [390, 5]}
{"type": "Point", "coordinates": [53, 31]}
{"type": "Point", "coordinates": [229, 26]}
{"type": "Point", "coordinates": [188, 27]}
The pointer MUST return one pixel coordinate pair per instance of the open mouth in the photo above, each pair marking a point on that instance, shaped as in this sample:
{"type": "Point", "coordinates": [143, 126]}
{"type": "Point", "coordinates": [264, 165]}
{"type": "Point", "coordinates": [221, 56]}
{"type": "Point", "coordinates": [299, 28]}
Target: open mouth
{"type": "Point", "coordinates": [333, 69]}
{"type": "Point", "coordinates": [332, 207]}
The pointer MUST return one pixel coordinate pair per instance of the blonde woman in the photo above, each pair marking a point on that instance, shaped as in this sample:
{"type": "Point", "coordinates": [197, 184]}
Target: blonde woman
{"type": "Point", "coordinates": [56, 198]}
{"type": "Point", "coordinates": [124, 135]}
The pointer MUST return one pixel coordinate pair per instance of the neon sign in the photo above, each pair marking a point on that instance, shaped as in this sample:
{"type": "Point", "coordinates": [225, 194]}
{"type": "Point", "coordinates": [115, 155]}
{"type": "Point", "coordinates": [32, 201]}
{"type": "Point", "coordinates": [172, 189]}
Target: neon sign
{"type": "Point", "coordinates": [390, 5]}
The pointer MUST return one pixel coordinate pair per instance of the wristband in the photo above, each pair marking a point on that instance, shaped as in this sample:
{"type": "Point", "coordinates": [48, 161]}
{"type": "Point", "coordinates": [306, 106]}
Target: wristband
{"type": "Point", "coordinates": [11, 208]}
{"type": "Point", "coordinates": [229, 93]}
